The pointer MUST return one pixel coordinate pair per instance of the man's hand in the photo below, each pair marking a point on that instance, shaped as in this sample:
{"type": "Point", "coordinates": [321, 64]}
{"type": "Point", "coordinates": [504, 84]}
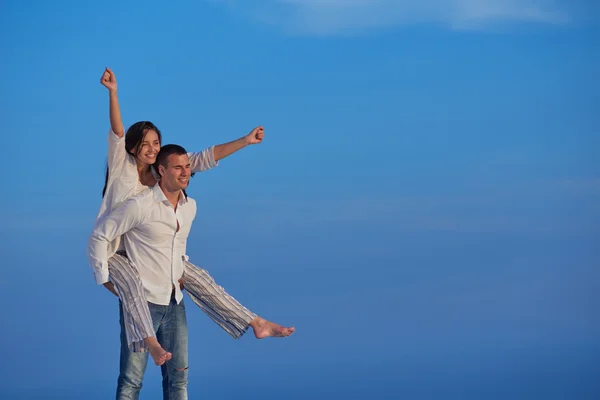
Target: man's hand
{"type": "Point", "coordinates": [181, 284]}
{"type": "Point", "coordinates": [256, 135]}
{"type": "Point", "coordinates": [111, 288]}
{"type": "Point", "coordinates": [109, 80]}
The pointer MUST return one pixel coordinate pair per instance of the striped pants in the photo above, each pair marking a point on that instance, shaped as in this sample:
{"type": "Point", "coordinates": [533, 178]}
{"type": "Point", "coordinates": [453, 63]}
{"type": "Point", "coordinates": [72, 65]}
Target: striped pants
{"type": "Point", "coordinates": [222, 308]}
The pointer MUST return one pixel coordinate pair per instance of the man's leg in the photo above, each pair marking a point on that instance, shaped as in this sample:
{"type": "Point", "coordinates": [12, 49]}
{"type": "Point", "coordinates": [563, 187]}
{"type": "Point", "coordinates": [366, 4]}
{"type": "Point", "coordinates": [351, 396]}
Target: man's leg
{"type": "Point", "coordinates": [173, 336]}
{"type": "Point", "coordinates": [133, 364]}
{"type": "Point", "coordinates": [132, 367]}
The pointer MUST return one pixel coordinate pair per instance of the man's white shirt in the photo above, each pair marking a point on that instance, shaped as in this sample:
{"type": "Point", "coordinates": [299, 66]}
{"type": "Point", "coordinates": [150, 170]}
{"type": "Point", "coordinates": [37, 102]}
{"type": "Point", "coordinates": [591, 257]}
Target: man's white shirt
{"type": "Point", "coordinates": [155, 236]}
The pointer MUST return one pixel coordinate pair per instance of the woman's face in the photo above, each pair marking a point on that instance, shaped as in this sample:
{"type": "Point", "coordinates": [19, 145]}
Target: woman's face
{"type": "Point", "coordinates": [149, 147]}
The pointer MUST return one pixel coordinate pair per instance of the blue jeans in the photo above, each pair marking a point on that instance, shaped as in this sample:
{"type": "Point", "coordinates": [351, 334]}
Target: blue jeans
{"type": "Point", "coordinates": [170, 325]}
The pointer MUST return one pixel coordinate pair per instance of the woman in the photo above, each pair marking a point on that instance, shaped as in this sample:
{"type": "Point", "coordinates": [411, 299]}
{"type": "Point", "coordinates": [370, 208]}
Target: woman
{"type": "Point", "coordinates": [129, 172]}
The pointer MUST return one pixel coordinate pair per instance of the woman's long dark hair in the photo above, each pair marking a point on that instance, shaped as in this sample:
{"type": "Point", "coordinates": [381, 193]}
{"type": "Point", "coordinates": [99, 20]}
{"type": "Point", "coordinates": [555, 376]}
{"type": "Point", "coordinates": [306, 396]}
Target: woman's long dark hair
{"type": "Point", "coordinates": [133, 139]}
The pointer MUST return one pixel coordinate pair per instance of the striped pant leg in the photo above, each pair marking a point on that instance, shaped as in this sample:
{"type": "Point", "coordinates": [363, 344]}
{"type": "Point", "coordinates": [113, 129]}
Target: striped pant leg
{"type": "Point", "coordinates": [136, 314]}
{"type": "Point", "coordinates": [222, 308]}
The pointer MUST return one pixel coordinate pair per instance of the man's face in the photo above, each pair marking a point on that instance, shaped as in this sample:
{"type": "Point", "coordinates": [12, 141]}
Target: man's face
{"type": "Point", "coordinates": [177, 173]}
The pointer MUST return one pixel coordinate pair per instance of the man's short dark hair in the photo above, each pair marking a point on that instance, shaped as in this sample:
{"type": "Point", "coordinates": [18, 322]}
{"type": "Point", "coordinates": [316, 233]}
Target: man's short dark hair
{"type": "Point", "coordinates": [166, 151]}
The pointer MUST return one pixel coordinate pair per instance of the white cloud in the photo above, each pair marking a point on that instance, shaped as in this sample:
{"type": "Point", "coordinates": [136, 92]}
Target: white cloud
{"type": "Point", "coordinates": [328, 17]}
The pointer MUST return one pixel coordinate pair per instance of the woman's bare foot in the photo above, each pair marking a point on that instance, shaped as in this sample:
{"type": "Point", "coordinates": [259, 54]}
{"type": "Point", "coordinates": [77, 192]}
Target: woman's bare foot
{"type": "Point", "coordinates": [159, 355]}
{"type": "Point", "coordinates": [263, 329]}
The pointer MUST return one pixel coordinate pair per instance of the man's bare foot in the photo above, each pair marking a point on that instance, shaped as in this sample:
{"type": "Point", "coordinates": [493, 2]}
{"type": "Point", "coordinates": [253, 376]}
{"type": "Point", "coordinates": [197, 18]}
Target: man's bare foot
{"type": "Point", "coordinates": [263, 329]}
{"type": "Point", "coordinates": [159, 355]}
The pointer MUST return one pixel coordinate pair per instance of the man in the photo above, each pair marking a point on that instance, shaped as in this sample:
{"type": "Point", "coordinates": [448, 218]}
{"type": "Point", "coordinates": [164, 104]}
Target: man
{"type": "Point", "coordinates": [155, 225]}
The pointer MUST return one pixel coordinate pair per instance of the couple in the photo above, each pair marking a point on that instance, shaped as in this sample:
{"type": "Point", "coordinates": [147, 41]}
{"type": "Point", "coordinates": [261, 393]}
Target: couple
{"type": "Point", "coordinates": [138, 251]}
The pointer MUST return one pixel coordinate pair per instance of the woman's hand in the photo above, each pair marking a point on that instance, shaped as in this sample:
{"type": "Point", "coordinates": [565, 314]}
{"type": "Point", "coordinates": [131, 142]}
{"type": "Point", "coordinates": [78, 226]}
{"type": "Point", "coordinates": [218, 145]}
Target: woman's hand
{"type": "Point", "coordinates": [109, 80]}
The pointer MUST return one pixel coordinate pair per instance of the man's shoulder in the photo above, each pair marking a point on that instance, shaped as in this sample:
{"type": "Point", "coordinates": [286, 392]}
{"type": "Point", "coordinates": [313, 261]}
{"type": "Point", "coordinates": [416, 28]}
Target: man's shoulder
{"type": "Point", "coordinates": [191, 202]}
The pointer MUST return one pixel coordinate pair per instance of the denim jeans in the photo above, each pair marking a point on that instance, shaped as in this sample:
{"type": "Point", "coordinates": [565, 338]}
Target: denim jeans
{"type": "Point", "coordinates": [170, 325]}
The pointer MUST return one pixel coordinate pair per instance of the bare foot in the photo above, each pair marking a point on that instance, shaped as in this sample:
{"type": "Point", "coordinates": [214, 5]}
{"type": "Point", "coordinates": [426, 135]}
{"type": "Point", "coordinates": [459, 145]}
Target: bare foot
{"type": "Point", "coordinates": [263, 329]}
{"type": "Point", "coordinates": [159, 355]}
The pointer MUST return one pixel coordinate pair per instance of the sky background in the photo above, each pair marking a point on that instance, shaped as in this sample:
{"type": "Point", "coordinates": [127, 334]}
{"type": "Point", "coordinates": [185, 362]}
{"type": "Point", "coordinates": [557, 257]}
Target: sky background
{"type": "Point", "coordinates": [424, 207]}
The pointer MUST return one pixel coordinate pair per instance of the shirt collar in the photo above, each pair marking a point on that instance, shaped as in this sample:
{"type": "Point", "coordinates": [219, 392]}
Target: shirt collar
{"type": "Point", "coordinates": [159, 196]}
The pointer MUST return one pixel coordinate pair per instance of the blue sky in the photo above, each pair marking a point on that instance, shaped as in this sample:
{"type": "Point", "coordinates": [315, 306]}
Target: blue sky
{"type": "Point", "coordinates": [424, 208]}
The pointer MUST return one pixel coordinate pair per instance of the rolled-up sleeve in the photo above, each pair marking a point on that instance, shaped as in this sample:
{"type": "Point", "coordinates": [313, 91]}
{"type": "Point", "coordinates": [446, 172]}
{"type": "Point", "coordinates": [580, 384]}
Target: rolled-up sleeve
{"type": "Point", "coordinates": [107, 228]}
{"type": "Point", "coordinates": [116, 152]}
{"type": "Point", "coordinates": [203, 160]}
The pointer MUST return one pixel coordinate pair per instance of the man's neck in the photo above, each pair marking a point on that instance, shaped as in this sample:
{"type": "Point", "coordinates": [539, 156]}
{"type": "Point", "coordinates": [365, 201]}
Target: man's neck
{"type": "Point", "coordinates": [173, 197]}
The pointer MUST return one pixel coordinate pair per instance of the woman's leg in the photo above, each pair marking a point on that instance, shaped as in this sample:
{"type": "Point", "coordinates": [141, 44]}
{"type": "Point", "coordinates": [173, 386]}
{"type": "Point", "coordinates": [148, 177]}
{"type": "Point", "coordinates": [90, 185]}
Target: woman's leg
{"type": "Point", "coordinates": [136, 314]}
{"type": "Point", "coordinates": [224, 309]}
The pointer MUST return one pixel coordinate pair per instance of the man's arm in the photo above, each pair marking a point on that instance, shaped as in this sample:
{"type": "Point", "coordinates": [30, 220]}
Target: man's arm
{"type": "Point", "coordinates": [109, 80]}
{"type": "Point", "coordinates": [223, 150]}
{"type": "Point", "coordinates": [124, 218]}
